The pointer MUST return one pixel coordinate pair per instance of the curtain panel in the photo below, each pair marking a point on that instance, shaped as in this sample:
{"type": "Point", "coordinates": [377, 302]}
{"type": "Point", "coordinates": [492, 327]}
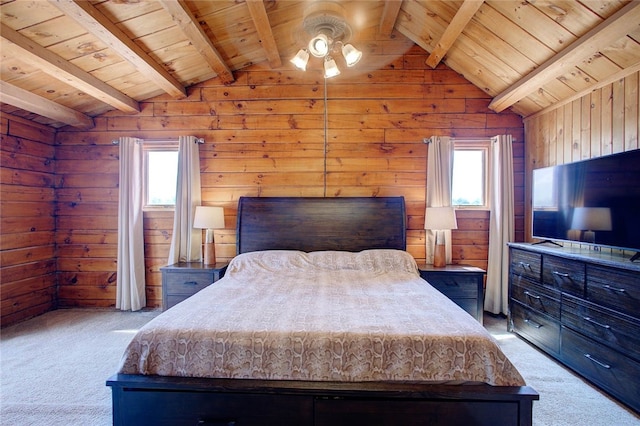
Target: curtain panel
{"type": "Point", "coordinates": [501, 224]}
{"type": "Point", "coordinates": [130, 282]}
{"type": "Point", "coordinates": [439, 182]}
{"type": "Point", "coordinates": [186, 242]}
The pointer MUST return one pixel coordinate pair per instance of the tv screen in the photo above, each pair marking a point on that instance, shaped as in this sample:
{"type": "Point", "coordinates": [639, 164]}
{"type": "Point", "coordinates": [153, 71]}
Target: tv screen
{"type": "Point", "coordinates": [596, 201]}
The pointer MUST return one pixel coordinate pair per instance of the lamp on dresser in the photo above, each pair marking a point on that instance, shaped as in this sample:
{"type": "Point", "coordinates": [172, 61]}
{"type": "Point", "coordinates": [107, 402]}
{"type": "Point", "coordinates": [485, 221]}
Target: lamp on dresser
{"type": "Point", "coordinates": [209, 218]}
{"type": "Point", "coordinates": [438, 220]}
{"type": "Point", "coordinates": [591, 219]}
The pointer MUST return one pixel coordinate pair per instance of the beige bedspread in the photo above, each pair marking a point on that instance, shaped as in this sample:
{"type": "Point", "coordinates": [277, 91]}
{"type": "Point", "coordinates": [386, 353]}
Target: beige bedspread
{"type": "Point", "coordinates": [324, 316]}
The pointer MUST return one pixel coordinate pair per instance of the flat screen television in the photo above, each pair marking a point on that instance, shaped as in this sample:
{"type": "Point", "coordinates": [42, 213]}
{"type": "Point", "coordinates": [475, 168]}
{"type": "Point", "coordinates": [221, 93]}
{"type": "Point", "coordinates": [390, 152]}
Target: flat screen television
{"type": "Point", "coordinates": [595, 201]}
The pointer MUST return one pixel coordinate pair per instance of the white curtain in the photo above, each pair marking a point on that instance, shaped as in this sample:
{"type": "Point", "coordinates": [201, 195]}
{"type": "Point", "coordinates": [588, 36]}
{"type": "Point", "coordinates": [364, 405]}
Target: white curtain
{"type": "Point", "coordinates": [186, 242]}
{"type": "Point", "coordinates": [439, 180]}
{"type": "Point", "coordinates": [130, 282]}
{"type": "Point", "coordinates": [501, 224]}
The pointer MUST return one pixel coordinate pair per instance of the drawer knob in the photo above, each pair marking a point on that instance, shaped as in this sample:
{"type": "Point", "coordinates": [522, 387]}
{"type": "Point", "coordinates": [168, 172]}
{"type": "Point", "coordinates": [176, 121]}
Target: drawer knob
{"type": "Point", "coordinates": [599, 324]}
{"type": "Point", "coordinates": [595, 361]}
{"type": "Point", "coordinates": [617, 290]}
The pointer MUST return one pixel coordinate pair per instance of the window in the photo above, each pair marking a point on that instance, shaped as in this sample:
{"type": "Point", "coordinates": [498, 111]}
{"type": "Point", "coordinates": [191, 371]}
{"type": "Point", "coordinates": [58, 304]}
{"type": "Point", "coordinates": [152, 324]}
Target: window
{"type": "Point", "coordinates": [470, 177]}
{"type": "Point", "coordinates": [160, 174]}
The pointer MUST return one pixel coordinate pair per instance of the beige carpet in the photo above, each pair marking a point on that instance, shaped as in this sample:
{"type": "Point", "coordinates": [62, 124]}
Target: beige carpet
{"type": "Point", "coordinates": [54, 368]}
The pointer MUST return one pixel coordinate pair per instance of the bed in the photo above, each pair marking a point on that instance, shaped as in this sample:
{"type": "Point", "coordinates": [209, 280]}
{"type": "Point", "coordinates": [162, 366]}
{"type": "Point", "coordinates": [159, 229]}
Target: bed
{"type": "Point", "coordinates": [321, 319]}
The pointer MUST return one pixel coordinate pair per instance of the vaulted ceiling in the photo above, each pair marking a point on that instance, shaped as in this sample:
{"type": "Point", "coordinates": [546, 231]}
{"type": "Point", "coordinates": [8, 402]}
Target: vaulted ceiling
{"type": "Point", "coordinates": [66, 61]}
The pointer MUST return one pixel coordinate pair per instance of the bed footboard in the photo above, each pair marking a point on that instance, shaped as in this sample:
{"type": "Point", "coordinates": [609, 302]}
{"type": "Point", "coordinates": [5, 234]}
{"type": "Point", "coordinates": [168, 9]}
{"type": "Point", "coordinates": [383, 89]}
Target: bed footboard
{"type": "Point", "coordinates": [175, 401]}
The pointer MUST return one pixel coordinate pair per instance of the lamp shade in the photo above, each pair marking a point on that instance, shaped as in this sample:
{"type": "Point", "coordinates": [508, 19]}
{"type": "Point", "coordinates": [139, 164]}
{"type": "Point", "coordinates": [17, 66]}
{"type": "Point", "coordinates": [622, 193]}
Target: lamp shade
{"type": "Point", "coordinates": [301, 59]}
{"type": "Point", "coordinates": [591, 219]}
{"type": "Point", "coordinates": [209, 217]}
{"type": "Point", "coordinates": [351, 55]}
{"type": "Point", "coordinates": [330, 68]}
{"type": "Point", "coordinates": [440, 218]}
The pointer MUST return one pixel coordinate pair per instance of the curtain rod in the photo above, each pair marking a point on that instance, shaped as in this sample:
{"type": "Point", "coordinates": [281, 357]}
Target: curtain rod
{"type": "Point", "coordinates": [429, 140]}
{"type": "Point", "coordinates": [198, 140]}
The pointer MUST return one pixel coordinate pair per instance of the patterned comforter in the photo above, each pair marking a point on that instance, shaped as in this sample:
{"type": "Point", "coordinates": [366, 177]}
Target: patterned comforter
{"type": "Point", "coordinates": [320, 316]}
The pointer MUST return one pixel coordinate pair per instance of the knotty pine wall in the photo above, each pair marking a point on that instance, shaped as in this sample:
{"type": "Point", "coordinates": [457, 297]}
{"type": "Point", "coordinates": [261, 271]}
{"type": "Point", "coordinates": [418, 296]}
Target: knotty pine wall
{"type": "Point", "coordinates": [265, 136]}
{"type": "Point", "coordinates": [27, 219]}
{"type": "Point", "coordinates": [606, 121]}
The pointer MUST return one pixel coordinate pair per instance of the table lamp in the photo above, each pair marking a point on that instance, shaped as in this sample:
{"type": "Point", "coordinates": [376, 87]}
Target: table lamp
{"type": "Point", "coordinates": [439, 219]}
{"type": "Point", "coordinates": [209, 218]}
{"type": "Point", "coordinates": [591, 219]}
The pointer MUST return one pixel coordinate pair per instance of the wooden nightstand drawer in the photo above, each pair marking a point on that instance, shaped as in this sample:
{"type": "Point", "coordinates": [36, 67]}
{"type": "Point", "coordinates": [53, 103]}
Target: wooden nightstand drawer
{"type": "Point", "coordinates": [187, 282]}
{"type": "Point", "coordinates": [184, 279]}
{"type": "Point", "coordinates": [454, 286]}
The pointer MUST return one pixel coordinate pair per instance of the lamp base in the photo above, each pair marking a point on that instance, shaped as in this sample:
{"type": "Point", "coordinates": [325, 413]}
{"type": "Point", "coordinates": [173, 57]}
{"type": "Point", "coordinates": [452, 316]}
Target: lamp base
{"type": "Point", "coordinates": [439, 256]}
{"type": "Point", "coordinates": [209, 257]}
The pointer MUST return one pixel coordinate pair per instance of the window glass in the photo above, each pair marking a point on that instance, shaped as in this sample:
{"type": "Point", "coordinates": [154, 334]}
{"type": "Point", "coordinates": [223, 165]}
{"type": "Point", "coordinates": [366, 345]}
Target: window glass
{"type": "Point", "coordinates": [161, 171]}
{"type": "Point", "coordinates": [469, 186]}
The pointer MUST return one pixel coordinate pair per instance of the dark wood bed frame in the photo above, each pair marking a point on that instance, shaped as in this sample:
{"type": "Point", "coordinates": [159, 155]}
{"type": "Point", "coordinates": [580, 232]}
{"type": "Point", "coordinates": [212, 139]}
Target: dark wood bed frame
{"type": "Point", "coordinates": [309, 224]}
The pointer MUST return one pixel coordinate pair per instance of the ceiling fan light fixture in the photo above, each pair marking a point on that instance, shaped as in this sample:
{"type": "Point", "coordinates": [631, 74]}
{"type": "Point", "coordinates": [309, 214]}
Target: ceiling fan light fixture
{"type": "Point", "coordinates": [330, 68]}
{"type": "Point", "coordinates": [351, 55]}
{"type": "Point", "coordinates": [319, 45]}
{"type": "Point", "coordinates": [301, 59]}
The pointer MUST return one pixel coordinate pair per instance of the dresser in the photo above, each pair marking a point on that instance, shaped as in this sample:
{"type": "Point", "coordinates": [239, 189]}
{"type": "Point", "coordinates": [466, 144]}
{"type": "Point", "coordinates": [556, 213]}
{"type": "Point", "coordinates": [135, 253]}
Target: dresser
{"type": "Point", "coordinates": [461, 283]}
{"type": "Point", "coordinates": [582, 307]}
{"type": "Point", "coordinates": [185, 279]}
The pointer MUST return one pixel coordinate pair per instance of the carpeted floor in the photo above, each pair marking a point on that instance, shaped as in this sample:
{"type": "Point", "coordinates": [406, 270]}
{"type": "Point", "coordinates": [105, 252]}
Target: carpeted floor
{"type": "Point", "coordinates": [54, 368]}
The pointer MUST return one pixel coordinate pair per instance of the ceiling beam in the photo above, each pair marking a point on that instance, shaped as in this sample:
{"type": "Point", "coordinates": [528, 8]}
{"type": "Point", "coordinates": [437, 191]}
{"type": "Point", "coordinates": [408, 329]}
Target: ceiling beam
{"type": "Point", "coordinates": [48, 62]}
{"type": "Point", "coordinates": [261, 20]}
{"type": "Point", "coordinates": [389, 16]}
{"type": "Point", "coordinates": [600, 37]}
{"type": "Point", "coordinates": [454, 29]}
{"type": "Point", "coordinates": [20, 98]}
{"type": "Point", "coordinates": [91, 19]}
{"type": "Point", "coordinates": [189, 25]}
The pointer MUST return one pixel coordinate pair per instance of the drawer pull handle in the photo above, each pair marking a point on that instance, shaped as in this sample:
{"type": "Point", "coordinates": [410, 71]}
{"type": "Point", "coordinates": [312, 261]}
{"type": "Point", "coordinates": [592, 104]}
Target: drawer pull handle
{"type": "Point", "coordinates": [525, 265]}
{"type": "Point", "coordinates": [588, 319]}
{"type": "Point", "coordinates": [601, 364]}
{"type": "Point", "coordinates": [533, 323]}
{"type": "Point", "coordinates": [561, 274]}
{"type": "Point", "coordinates": [191, 282]}
{"type": "Point", "coordinates": [618, 290]}
{"type": "Point", "coordinates": [531, 295]}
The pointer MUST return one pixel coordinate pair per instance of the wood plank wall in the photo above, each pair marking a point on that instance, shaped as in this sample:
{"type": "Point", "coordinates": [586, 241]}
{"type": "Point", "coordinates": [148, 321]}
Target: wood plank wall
{"type": "Point", "coordinates": [606, 121]}
{"type": "Point", "coordinates": [27, 219]}
{"type": "Point", "coordinates": [265, 136]}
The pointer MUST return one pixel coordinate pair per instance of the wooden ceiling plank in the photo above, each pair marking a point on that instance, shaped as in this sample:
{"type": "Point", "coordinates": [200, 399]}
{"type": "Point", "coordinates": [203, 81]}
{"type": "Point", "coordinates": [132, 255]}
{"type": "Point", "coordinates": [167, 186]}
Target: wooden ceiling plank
{"type": "Point", "coordinates": [598, 38]}
{"type": "Point", "coordinates": [106, 31]}
{"type": "Point", "coordinates": [50, 63]}
{"type": "Point", "coordinates": [268, 42]}
{"type": "Point", "coordinates": [611, 79]}
{"type": "Point", "coordinates": [389, 16]}
{"type": "Point", "coordinates": [189, 25]}
{"type": "Point", "coordinates": [20, 98]}
{"type": "Point", "coordinates": [455, 28]}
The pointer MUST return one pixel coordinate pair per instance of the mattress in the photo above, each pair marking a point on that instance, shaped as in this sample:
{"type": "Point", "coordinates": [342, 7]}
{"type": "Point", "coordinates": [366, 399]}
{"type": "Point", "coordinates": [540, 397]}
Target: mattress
{"type": "Point", "coordinates": [320, 316]}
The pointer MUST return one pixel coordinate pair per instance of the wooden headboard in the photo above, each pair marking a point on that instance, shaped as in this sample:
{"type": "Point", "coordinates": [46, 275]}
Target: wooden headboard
{"type": "Point", "coordinates": [314, 223]}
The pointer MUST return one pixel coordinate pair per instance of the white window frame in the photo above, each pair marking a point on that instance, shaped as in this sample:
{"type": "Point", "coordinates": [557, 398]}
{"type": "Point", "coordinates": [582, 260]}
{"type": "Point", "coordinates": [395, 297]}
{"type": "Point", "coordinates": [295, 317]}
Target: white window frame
{"type": "Point", "coordinates": [154, 146]}
{"type": "Point", "coordinates": [476, 145]}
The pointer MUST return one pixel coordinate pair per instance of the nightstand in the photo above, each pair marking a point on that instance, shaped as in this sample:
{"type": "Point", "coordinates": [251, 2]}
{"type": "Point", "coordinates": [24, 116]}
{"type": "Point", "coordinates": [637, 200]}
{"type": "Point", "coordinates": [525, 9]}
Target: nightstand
{"type": "Point", "coordinates": [185, 279]}
{"type": "Point", "coordinates": [461, 283]}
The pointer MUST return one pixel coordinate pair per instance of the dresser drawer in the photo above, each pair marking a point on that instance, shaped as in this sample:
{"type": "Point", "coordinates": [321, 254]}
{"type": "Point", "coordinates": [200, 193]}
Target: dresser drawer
{"type": "Point", "coordinates": [538, 298]}
{"type": "Point", "coordinates": [535, 327]}
{"type": "Point", "coordinates": [564, 274]}
{"type": "Point", "coordinates": [187, 282]}
{"type": "Point", "coordinates": [614, 288]}
{"type": "Point", "coordinates": [608, 369]}
{"type": "Point", "coordinates": [617, 331]}
{"type": "Point", "coordinates": [525, 264]}
{"type": "Point", "coordinates": [454, 285]}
